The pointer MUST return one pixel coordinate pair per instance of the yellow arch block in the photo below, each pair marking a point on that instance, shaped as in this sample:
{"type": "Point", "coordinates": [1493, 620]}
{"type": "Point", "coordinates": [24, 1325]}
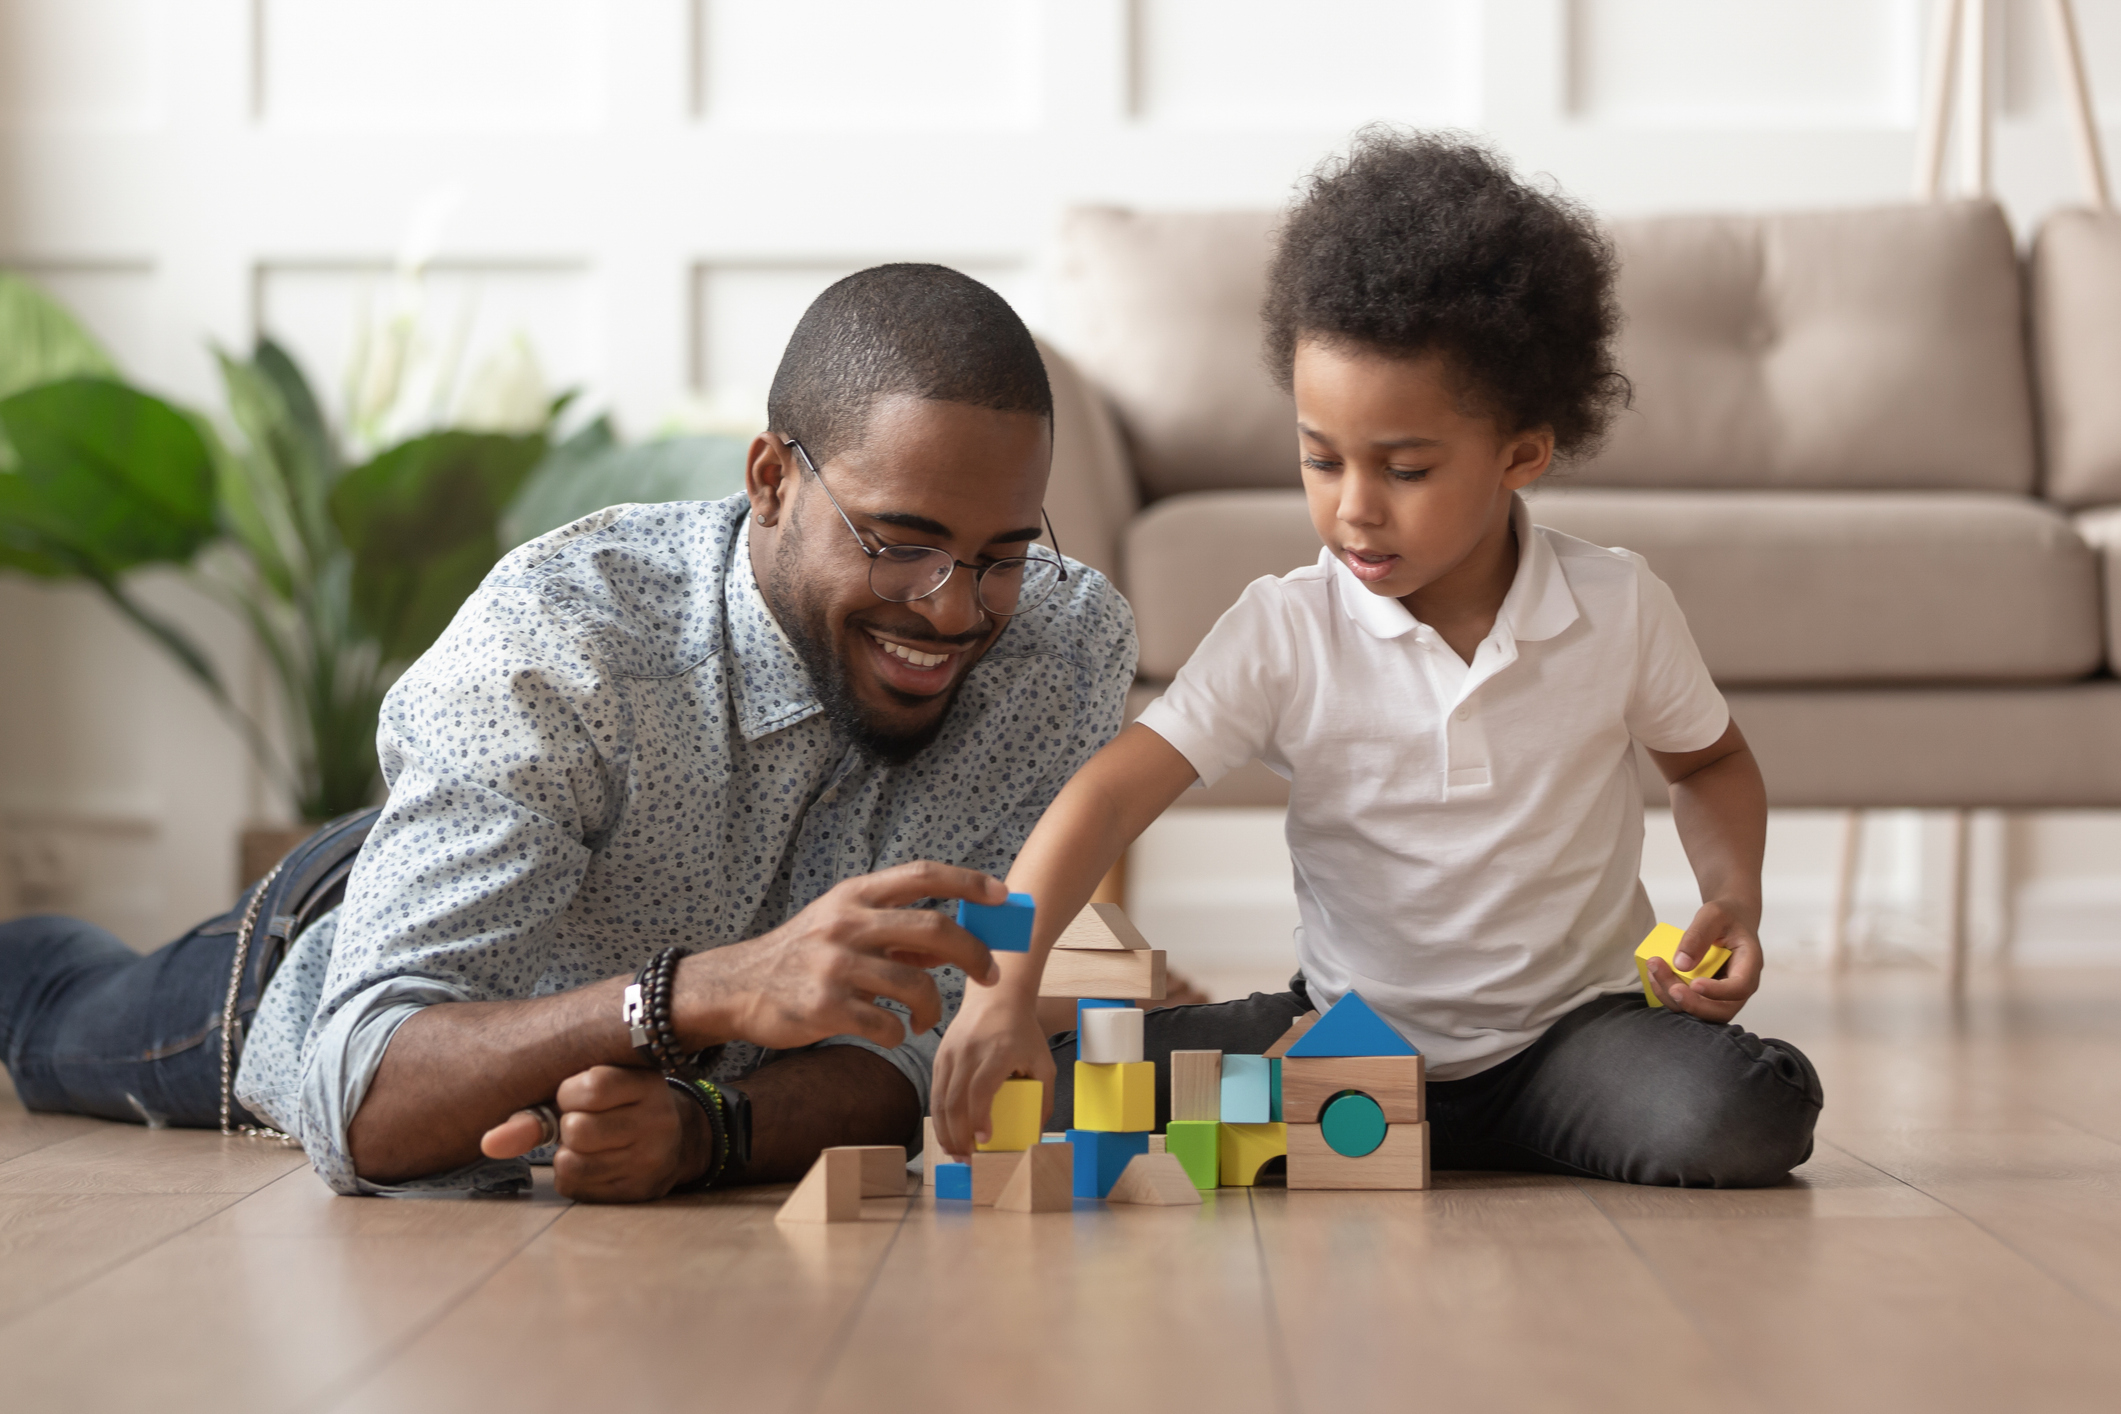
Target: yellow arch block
{"type": "Point", "coordinates": [1241, 1150]}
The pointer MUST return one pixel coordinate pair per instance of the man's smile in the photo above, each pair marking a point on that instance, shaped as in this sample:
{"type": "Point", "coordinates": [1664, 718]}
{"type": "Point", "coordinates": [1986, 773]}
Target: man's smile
{"type": "Point", "coordinates": [915, 671]}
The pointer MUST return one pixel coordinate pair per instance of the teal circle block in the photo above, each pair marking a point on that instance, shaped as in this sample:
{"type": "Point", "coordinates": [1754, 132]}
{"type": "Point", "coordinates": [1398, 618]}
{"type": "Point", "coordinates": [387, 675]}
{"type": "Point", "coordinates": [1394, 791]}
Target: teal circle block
{"type": "Point", "coordinates": [1353, 1124]}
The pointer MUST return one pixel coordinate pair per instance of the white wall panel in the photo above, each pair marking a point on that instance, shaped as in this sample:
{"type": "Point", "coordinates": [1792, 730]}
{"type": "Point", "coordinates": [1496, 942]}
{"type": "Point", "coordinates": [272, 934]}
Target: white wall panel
{"type": "Point", "coordinates": [2032, 83]}
{"type": "Point", "coordinates": [1801, 63]}
{"type": "Point", "coordinates": [1324, 64]}
{"type": "Point", "coordinates": [116, 302]}
{"type": "Point", "coordinates": [94, 64]}
{"type": "Point", "coordinates": [399, 64]}
{"type": "Point", "coordinates": [812, 64]}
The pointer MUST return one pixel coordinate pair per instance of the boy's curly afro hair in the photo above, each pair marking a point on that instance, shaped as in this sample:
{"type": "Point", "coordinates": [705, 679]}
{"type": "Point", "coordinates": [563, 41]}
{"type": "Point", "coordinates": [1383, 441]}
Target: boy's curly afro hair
{"type": "Point", "coordinates": [1419, 243]}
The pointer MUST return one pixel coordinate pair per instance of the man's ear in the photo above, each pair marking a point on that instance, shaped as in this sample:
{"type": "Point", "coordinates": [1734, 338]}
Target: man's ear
{"type": "Point", "coordinates": [769, 478]}
{"type": "Point", "coordinates": [1526, 457]}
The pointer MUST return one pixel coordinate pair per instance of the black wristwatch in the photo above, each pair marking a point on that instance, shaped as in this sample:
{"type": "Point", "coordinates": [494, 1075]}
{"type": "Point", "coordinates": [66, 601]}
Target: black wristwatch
{"type": "Point", "coordinates": [727, 1111]}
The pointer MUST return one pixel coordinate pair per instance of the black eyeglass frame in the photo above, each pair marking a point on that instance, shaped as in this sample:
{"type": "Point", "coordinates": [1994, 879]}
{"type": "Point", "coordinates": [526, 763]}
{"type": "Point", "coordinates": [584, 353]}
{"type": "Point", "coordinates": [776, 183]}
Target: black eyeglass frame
{"type": "Point", "coordinates": [979, 572]}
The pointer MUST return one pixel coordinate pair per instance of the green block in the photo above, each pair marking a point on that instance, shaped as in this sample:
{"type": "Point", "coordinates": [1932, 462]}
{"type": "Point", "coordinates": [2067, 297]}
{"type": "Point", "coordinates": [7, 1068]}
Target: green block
{"type": "Point", "coordinates": [1274, 1089]}
{"type": "Point", "coordinates": [1193, 1142]}
{"type": "Point", "coordinates": [1353, 1124]}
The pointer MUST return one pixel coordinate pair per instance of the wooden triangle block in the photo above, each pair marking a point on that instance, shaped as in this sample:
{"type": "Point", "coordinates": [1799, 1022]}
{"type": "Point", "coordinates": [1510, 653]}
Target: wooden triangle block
{"type": "Point", "coordinates": [1044, 1181]}
{"type": "Point", "coordinates": [1156, 1181]}
{"type": "Point", "coordinates": [1101, 927]}
{"type": "Point", "coordinates": [1350, 1028]}
{"type": "Point", "coordinates": [1291, 1036]}
{"type": "Point", "coordinates": [830, 1193]}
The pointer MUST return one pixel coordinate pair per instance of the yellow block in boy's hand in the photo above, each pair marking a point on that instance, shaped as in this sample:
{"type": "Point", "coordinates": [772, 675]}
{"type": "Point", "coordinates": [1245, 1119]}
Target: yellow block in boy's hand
{"type": "Point", "coordinates": [1664, 942]}
{"type": "Point", "coordinates": [1015, 1116]}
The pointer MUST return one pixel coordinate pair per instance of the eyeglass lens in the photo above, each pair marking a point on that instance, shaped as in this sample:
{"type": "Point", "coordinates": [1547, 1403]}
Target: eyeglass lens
{"type": "Point", "coordinates": [903, 573]}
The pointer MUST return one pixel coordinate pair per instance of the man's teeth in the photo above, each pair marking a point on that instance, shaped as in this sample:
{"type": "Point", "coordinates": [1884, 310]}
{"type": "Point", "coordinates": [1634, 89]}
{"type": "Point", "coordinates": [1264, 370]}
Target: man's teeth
{"type": "Point", "coordinates": [918, 659]}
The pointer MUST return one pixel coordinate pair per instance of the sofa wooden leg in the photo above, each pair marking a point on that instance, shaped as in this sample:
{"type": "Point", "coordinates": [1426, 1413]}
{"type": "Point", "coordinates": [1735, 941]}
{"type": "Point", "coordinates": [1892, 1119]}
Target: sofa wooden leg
{"type": "Point", "coordinates": [1957, 871]}
{"type": "Point", "coordinates": [1847, 861]}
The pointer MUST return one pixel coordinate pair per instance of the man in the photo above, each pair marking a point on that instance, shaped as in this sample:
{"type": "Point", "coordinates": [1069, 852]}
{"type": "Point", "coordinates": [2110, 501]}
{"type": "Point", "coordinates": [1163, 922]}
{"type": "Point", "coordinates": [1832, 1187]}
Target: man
{"type": "Point", "coordinates": [762, 729]}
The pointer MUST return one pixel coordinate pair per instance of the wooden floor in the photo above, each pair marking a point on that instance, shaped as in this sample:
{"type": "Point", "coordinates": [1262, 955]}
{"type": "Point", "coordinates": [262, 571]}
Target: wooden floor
{"type": "Point", "coordinates": [1954, 1245]}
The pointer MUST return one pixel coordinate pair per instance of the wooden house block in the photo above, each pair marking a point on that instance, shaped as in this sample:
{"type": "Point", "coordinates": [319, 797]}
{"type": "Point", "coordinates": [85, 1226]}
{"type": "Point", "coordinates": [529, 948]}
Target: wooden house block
{"type": "Point", "coordinates": [1018, 1109]}
{"type": "Point", "coordinates": [1400, 1162]}
{"type": "Point", "coordinates": [830, 1193]}
{"type": "Point", "coordinates": [1395, 1082]}
{"type": "Point", "coordinates": [1195, 1143]}
{"type": "Point", "coordinates": [1042, 1182]}
{"type": "Point", "coordinates": [1246, 1090]}
{"type": "Point", "coordinates": [1101, 1156]}
{"type": "Point", "coordinates": [1102, 927]}
{"type": "Point", "coordinates": [1242, 1149]}
{"type": "Point", "coordinates": [1294, 1034]}
{"type": "Point", "coordinates": [883, 1169]}
{"type": "Point", "coordinates": [1110, 1035]}
{"type": "Point", "coordinates": [1155, 1180]}
{"type": "Point", "coordinates": [1118, 1098]}
{"type": "Point", "coordinates": [1663, 942]}
{"type": "Point", "coordinates": [1130, 975]}
{"type": "Point", "coordinates": [1196, 1085]}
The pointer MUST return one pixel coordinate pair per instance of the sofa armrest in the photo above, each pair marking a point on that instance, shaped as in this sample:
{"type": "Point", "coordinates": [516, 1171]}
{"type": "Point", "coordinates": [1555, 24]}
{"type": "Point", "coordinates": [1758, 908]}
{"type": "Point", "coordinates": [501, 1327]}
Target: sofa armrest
{"type": "Point", "coordinates": [2101, 530]}
{"type": "Point", "coordinates": [1093, 494]}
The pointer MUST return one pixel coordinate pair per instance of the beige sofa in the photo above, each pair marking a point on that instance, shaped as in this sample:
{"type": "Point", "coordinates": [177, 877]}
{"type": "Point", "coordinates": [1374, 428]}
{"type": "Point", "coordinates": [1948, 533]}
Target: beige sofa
{"type": "Point", "coordinates": [1875, 454]}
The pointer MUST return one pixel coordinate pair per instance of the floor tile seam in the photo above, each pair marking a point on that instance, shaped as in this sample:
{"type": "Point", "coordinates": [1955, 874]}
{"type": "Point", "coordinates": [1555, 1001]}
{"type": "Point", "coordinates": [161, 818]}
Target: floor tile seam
{"type": "Point", "coordinates": [812, 1392]}
{"type": "Point", "coordinates": [1992, 1235]}
{"type": "Point", "coordinates": [349, 1385]}
{"type": "Point", "coordinates": [68, 1288]}
{"type": "Point", "coordinates": [40, 1148]}
{"type": "Point", "coordinates": [2066, 1122]}
{"type": "Point", "coordinates": [1648, 1262]}
{"type": "Point", "coordinates": [1285, 1389]}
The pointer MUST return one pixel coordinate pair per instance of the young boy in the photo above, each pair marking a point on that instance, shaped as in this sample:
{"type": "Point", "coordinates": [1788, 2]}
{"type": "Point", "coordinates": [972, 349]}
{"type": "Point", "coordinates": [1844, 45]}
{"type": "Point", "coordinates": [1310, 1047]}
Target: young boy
{"type": "Point", "coordinates": [1454, 695]}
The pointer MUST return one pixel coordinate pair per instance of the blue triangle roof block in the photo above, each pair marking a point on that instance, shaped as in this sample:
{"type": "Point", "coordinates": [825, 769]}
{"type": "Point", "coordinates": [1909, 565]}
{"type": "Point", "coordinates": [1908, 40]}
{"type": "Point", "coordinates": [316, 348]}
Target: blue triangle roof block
{"type": "Point", "coordinates": [1350, 1028]}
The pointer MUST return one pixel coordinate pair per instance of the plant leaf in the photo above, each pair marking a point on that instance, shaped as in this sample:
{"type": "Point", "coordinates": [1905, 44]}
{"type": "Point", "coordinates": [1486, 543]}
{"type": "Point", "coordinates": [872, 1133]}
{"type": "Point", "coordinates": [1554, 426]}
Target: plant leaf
{"type": "Point", "coordinates": [290, 483]}
{"type": "Point", "coordinates": [40, 342]}
{"type": "Point", "coordinates": [581, 477]}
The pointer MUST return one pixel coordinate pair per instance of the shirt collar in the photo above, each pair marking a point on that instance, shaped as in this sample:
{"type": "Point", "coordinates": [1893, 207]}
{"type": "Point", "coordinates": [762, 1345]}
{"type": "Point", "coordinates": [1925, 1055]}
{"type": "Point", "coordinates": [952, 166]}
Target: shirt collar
{"type": "Point", "coordinates": [1539, 604]}
{"type": "Point", "coordinates": [767, 682]}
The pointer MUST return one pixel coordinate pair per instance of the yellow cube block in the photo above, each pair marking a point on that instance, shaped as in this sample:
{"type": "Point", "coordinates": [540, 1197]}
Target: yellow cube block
{"type": "Point", "coordinates": [1016, 1116]}
{"type": "Point", "coordinates": [1241, 1150]}
{"type": "Point", "coordinates": [1119, 1098]}
{"type": "Point", "coordinates": [1664, 942]}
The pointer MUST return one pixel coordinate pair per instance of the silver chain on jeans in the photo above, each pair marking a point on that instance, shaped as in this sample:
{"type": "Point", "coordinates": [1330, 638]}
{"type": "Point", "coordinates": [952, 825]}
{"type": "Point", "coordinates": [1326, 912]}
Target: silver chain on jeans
{"type": "Point", "coordinates": [244, 932]}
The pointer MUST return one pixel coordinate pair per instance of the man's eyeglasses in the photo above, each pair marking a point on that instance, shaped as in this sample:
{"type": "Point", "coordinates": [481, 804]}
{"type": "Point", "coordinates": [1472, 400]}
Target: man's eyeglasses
{"type": "Point", "coordinates": [900, 574]}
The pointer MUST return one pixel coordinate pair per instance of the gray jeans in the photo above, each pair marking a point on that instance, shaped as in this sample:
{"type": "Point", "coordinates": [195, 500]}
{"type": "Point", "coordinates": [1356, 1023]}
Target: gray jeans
{"type": "Point", "coordinates": [1616, 1089]}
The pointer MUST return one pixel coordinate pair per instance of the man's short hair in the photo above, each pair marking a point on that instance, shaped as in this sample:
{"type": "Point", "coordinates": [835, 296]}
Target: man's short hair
{"type": "Point", "coordinates": [922, 330]}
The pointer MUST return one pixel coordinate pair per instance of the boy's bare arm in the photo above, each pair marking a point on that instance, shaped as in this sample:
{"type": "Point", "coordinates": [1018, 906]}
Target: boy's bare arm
{"type": "Point", "coordinates": [1719, 803]}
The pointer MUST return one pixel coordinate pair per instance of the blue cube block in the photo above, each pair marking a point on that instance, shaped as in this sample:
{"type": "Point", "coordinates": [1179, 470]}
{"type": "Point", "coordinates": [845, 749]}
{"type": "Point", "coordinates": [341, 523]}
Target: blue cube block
{"type": "Point", "coordinates": [953, 1181]}
{"type": "Point", "coordinates": [1083, 1004]}
{"type": "Point", "coordinates": [1101, 1156]}
{"type": "Point", "coordinates": [1004, 927]}
{"type": "Point", "coordinates": [1247, 1090]}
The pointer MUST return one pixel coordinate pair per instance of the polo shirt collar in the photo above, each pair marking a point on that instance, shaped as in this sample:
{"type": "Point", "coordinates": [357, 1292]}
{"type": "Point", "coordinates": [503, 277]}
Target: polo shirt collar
{"type": "Point", "coordinates": [1539, 604]}
{"type": "Point", "coordinates": [767, 683]}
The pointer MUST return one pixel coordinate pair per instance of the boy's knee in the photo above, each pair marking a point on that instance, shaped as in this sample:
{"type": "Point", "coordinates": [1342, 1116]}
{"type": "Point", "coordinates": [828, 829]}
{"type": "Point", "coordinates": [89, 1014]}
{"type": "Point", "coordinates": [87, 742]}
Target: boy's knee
{"type": "Point", "coordinates": [1745, 1127]}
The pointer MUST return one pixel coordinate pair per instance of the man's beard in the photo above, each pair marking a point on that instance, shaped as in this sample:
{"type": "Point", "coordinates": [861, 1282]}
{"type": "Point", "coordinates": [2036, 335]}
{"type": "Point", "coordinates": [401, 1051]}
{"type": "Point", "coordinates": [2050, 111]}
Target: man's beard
{"type": "Point", "coordinates": [803, 619]}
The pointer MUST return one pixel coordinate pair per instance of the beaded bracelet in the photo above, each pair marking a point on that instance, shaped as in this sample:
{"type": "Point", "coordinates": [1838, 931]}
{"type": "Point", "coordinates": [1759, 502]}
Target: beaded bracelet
{"type": "Point", "coordinates": [708, 1097]}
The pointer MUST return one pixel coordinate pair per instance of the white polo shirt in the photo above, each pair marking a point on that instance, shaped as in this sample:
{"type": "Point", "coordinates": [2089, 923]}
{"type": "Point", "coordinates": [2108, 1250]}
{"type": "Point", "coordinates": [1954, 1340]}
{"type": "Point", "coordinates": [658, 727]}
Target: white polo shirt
{"type": "Point", "coordinates": [1466, 839]}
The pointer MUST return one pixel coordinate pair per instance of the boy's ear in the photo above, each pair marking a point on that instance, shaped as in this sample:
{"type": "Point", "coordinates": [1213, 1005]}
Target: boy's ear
{"type": "Point", "coordinates": [1526, 457]}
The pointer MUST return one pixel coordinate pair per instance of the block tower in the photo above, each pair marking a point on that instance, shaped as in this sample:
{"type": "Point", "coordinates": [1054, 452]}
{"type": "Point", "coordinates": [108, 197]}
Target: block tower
{"type": "Point", "coordinates": [1102, 960]}
{"type": "Point", "coordinates": [1352, 1090]}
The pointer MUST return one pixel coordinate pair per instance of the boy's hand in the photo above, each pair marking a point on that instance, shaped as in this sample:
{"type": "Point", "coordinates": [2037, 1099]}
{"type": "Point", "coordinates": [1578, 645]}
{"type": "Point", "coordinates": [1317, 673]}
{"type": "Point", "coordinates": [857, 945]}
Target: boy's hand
{"type": "Point", "coordinates": [996, 1035]}
{"type": "Point", "coordinates": [1717, 999]}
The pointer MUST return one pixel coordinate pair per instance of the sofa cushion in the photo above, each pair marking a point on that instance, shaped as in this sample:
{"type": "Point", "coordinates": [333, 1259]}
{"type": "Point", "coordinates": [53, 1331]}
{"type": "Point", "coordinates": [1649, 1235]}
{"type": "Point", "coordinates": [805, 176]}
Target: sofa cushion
{"type": "Point", "coordinates": [1779, 587]}
{"type": "Point", "coordinates": [2077, 349]}
{"type": "Point", "coordinates": [1878, 348]}
{"type": "Point", "coordinates": [2101, 530]}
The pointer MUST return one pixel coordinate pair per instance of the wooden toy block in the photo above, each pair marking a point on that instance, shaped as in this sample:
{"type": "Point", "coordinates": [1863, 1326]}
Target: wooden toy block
{"type": "Point", "coordinates": [830, 1193]}
{"type": "Point", "coordinates": [1663, 942]}
{"type": "Point", "coordinates": [1004, 927]}
{"type": "Point", "coordinates": [1353, 1125]}
{"type": "Point", "coordinates": [1395, 1082]}
{"type": "Point", "coordinates": [953, 1183]}
{"type": "Point", "coordinates": [1083, 1004]}
{"type": "Point", "coordinates": [1133, 975]}
{"type": "Point", "coordinates": [1274, 1088]}
{"type": "Point", "coordinates": [1196, 1085]}
{"type": "Point", "coordinates": [1241, 1150]}
{"type": "Point", "coordinates": [1015, 1116]}
{"type": "Point", "coordinates": [1054, 1138]}
{"type": "Point", "coordinates": [1042, 1181]}
{"type": "Point", "coordinates": [1400, 1162]}
{"type": "Point", "coordinates": [1156, 1143]}
{"type": "Point", "coordinates": [1245, 1091]}
{"type": "Point", "coordinates": [1110, 1036]}
{"type": "Point", "coordinates": [1293, 1034]}
{"type": "Point", "coordinates": [1100, 1157]}
{"type": "Point", "coordinates": [1102, 927]}
{"type": "Point", "coordinates": [883, 1169]}
{"type": "Point", "coordinates": [991, 1174]}
{"type": "Point", "coordinates": [1195, 1143]}
{"type": "Point", "coordinates": [1115, 1098]}
{"type": "Point", "coordinates": [1350, 1028]}
{"type": "Point", "coordinates": [931, 1155]}
{"type": "Point", "coordinates": [1157, 1181]}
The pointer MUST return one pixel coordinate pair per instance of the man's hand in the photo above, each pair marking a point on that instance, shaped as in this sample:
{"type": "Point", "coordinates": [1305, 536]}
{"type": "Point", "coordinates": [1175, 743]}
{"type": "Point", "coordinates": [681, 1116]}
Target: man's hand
{"type": "Point", "coordinates": [996, 1035]}
{"type": "Point", "coordinates": [625, 1136]}
{"type": "Point", "coordinates": [1717, 999]}
{"type": "Point", "coordinates": [822, 972]}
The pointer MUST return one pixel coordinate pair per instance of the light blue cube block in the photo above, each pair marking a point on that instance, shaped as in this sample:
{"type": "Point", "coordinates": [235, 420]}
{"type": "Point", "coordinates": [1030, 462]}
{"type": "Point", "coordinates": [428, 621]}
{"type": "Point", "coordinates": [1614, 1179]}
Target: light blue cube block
{"type": "Point", "coordinates": [1247, 1085]}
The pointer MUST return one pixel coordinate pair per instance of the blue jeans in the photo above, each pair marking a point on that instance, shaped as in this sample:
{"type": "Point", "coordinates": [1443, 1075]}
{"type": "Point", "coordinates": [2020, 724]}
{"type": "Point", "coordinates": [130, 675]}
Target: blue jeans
{"type": "Point", "coordinates": [89, 1026]}
{"type": "Point", "coordinates": [1615, 1089]}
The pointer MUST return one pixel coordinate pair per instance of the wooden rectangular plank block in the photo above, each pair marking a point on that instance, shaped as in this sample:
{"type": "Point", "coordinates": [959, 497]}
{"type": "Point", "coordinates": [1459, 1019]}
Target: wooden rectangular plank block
{"type": "Point", "coordinates": [1122, 976]}
{"type": "Point", "coordinates": [830, 1193]}
{"type": "Point", "coordinates": [1101, 927]}
{"type": "Point", "coordinates": [1294, 1034]}
{"type": "Point", "coordinates": [1401, 1162]}
{"type": "Point", "coordinates": [1043, 1182]}
{"type": "Point", "coordinates": [883, 1169]}
{"type": "Point", "coordinates": [1156, 1181]}
{"type": "Point", "coordinates": [1196, 1085]}
{"type": "Point", "coordinates": [1395, 1082]}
